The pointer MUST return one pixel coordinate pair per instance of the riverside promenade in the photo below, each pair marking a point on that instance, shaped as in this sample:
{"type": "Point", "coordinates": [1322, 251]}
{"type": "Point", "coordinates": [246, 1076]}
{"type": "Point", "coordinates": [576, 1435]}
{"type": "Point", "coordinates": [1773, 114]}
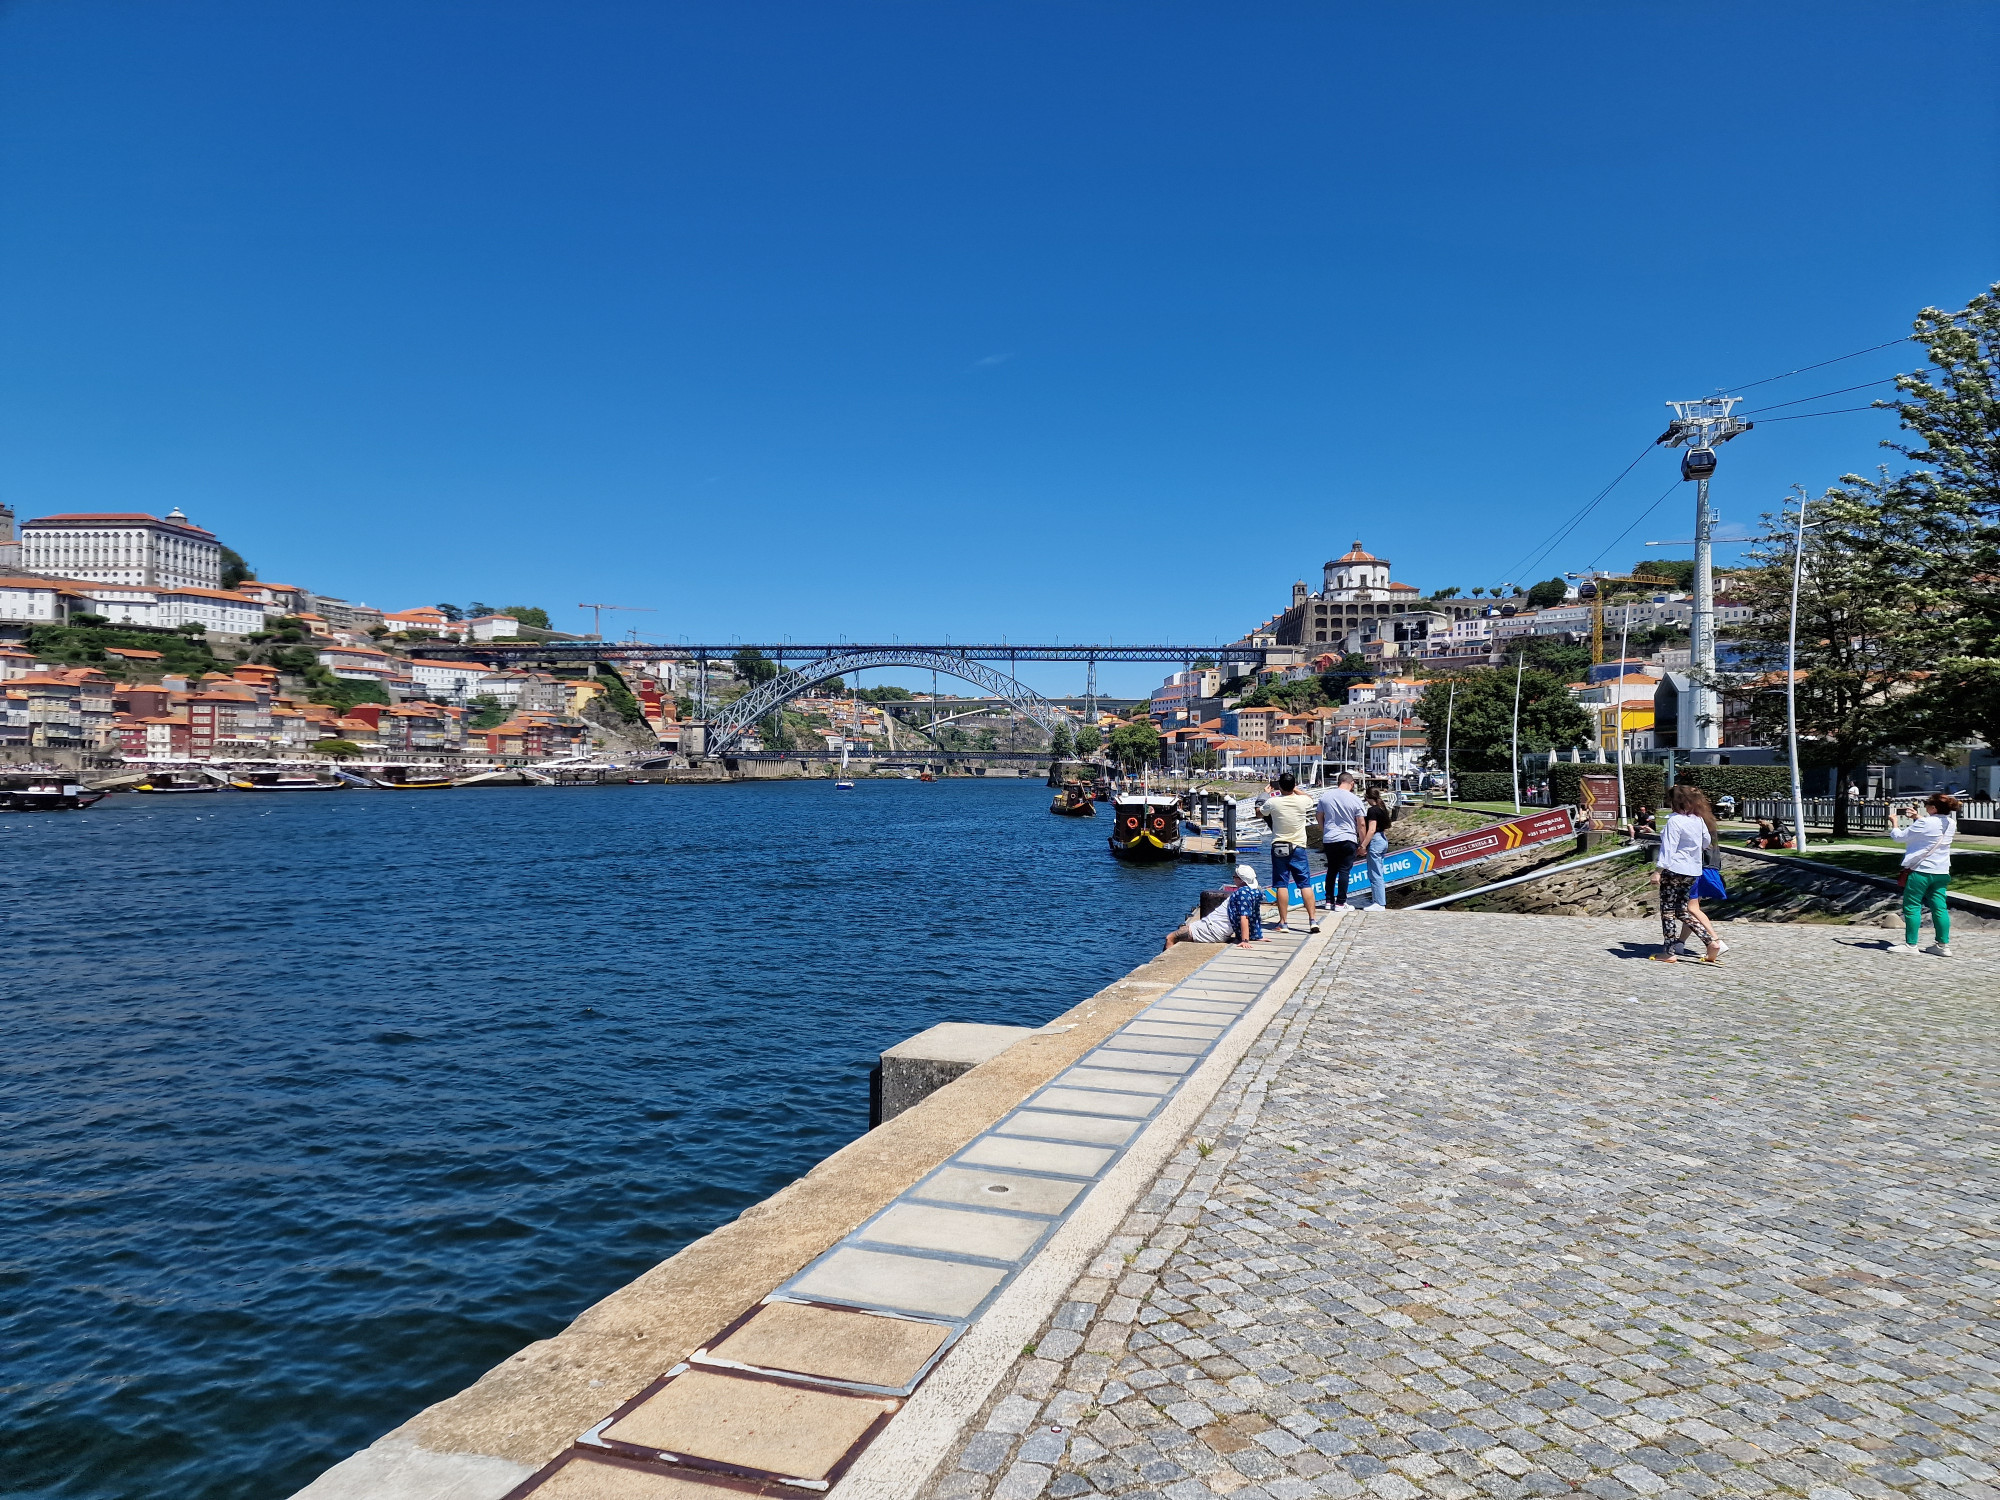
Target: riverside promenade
{"type": "Point", "coordinates": [1434, 1204]}
{"type": "Point", "coordinates": [1494, 1207]}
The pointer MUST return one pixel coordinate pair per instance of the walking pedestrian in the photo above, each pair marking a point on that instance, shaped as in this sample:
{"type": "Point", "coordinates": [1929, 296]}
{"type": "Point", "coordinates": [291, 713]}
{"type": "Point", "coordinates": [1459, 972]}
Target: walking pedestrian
{"type": "Point", "coordinates": [1291, 867]}
{"type": "Point", "coordinates": [1676, 868]}
{"type": "Point", "coordinates": [1926, 871]}
{"type": "Point", "coordinates": [1376, 848]}
{"type": "Point", "coordinates": [1341, 816]}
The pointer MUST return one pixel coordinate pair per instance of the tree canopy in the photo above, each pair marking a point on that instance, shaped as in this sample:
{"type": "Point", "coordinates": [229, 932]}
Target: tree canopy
{"type": "Point", "coordinates": [1481, 711]}
{"type": "Point", "coordinates": [234, 569]}
{"type": "Point", "coordinates": [531, 615]}
{"type": "Point", "coordinates": [754, 666]}
{"type": "Point", "coordinates": [1549, 591]}
{"type": "Point", "coordinates": [1088, 738]}
{"type": "Point", "coordinates": [1135, 745]}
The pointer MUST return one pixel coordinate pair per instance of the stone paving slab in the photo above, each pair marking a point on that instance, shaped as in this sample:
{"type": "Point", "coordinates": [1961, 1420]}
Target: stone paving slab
{"type": "Point", "coordinates": [1496, 1208]}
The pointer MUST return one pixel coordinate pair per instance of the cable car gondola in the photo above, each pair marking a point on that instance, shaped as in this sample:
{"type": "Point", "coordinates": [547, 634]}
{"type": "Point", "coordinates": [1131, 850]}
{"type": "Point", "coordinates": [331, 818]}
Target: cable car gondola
{"type": "Point", "coordinates": [1697, 463]}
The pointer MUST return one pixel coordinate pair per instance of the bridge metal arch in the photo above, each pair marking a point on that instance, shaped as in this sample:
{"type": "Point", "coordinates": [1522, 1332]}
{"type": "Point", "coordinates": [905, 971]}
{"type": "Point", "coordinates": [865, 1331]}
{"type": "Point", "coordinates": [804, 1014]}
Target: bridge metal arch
{"type": "Point", "coordinates": [728, 728]}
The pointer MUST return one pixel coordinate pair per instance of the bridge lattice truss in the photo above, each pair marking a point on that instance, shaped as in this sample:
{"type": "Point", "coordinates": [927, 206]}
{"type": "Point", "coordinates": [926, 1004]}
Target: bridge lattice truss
{"type": "Point", "coordinates": [728, 728]}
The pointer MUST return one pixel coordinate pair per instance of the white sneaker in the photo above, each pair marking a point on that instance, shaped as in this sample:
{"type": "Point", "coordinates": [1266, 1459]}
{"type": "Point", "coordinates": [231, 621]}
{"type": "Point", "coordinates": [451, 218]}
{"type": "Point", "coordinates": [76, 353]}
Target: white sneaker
{"type": "Point", "coordinates": [1907, 950]}
{"type": "Point", "coordinates": [1942, 950]}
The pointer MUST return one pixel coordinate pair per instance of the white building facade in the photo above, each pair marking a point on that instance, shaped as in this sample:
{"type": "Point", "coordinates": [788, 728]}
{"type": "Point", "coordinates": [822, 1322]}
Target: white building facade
{"type": "Point", "coordinates": [169, 609]}
{"type": "Point", "coordinates": [123, 547]}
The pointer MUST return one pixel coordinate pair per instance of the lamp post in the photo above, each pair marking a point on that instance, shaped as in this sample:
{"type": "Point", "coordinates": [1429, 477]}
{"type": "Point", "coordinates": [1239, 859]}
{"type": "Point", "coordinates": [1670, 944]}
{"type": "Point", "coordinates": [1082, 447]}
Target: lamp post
{"type": "Point", "coordinates": [1450, 703]}
{"type": "Point", "coordinates": [1792, 679]}
{"type": "Point", "coordinates": [1520, 659]}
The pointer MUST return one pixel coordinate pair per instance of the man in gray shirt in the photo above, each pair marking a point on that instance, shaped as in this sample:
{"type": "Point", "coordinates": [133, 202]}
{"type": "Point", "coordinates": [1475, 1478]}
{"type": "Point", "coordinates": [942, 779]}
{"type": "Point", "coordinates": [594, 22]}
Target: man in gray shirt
{"type": "Point", "coordinates": [1341, 814]}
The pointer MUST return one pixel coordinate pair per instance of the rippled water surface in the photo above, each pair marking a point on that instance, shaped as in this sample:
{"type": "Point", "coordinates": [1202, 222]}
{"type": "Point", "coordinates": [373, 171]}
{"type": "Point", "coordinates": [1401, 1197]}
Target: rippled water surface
{"type": "Point", "coordinates": [314, 1107]}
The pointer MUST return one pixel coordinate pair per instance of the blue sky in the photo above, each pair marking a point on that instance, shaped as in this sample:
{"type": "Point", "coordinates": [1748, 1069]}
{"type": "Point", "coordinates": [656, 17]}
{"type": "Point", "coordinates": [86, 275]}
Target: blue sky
{"type": "Point", "coordinates": [1037, 320]}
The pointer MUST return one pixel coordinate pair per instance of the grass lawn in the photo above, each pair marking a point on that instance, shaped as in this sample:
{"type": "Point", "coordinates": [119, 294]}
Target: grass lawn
{"type": "Point", "coordinates": [1973, 872]}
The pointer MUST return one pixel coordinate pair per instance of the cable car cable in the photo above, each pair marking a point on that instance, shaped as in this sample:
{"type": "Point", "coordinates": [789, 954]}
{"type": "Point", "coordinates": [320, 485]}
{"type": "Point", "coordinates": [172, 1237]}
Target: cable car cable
{"type": "Point", "coordinates": [1752, 384]}
{"type": "Point", "coordinates": [1885, 380]}
{"type": "Point", "coordinates": [1521, 569]}
{"type": "Point", "coordinates": [1836, 411]}
{"type": "Point", "coordinates": [1635, 523]}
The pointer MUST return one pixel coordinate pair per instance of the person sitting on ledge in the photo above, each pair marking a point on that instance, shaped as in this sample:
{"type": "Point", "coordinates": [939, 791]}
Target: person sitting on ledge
{"type": "Point", "coordinates": [1239, 919]}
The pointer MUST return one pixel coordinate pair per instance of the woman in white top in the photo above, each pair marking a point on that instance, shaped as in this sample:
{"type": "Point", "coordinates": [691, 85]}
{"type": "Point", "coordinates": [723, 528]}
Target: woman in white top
{"type": "Point", "coordinates": [1688, 832]}
{"type": "Point", "coordinates": [1926, 871]}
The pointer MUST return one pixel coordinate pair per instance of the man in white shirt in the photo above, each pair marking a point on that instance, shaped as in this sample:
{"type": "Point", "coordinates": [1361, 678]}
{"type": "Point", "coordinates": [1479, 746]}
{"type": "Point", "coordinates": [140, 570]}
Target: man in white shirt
{"type": "Point", "coordinates": [1290, 865]}
{"type": "Point", "coordinates": [1341, 815]}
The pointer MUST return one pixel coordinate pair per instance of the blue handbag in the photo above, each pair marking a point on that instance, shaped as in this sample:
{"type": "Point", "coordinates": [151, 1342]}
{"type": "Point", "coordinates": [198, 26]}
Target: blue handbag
{"type": "Point", "coordinates": [1708, 885]}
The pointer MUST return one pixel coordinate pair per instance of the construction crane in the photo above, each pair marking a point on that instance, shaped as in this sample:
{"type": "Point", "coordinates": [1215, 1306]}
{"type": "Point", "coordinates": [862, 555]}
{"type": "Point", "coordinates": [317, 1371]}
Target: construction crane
{"type": "Point", "coordinates": [597, 615]}
{"type": "Point", "coordinates": [1595, 596]}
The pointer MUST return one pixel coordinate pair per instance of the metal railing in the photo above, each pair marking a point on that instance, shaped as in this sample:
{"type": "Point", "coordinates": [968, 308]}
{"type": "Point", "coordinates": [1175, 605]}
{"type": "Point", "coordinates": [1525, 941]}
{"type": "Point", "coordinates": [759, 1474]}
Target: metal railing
{"type": "Point", "coordinates": [1862, 817]}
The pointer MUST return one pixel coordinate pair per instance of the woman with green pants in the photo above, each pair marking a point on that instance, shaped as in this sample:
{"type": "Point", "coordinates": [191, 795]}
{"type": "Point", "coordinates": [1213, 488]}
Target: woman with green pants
{"type": "Point", "coordinates": [1926, 871]}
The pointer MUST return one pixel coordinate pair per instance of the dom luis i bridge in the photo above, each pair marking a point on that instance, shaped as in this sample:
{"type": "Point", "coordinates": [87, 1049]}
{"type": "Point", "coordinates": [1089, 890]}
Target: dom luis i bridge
{"type": "Point", "coordinates": [804, 666]}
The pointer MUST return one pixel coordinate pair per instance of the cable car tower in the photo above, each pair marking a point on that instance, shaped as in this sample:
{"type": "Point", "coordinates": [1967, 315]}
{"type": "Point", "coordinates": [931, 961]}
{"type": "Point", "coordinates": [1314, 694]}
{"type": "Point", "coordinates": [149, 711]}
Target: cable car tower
{"type": "Point", "coordinates": [1697, 427]}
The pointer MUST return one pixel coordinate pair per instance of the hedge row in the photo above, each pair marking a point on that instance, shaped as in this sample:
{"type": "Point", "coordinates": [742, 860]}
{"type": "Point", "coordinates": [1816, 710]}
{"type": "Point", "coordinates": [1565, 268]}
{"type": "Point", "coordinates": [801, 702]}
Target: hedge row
{"type": "Point", "coordinates": [1648, 784]}
{"type": "Point", "coordinates": [1484, 786]}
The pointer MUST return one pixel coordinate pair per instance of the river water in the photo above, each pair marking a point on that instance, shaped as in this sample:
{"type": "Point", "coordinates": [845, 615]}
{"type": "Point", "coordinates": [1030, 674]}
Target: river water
{"type": "Point", "coordinates": [314, 1107]}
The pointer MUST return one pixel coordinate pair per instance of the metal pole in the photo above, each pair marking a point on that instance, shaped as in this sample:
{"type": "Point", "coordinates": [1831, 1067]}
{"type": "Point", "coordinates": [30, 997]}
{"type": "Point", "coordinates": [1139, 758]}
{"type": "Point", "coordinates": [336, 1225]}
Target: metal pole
{"type": "Point", "coordinates": [1707, 720]}
{"type": "Point", "coordinates": [1624, 630]}
{"type": "Point", "coordinates": [1450, 703]}
{"type": "Point", "coordinates": [1792, 681]}
{"type": "Point", "coordinates": [1519, 661]}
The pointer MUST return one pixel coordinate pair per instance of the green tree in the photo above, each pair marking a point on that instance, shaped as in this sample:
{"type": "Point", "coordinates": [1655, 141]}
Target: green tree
{"type": "Point", "coordinates": [488, 712]}
{"type": "Point", "coordinates": [1679, 569]}
{"type": "Point", "coordinates": [1482, 713]}
{"type": "Point", "coordinates": [772, 731]}
{"type": "Point", "coordinates": [1450, 593]}
{"type": "Point", "coordinates": [192, 627]}
{"type": "Point", "coordinates": [1088, 739]}
{"type": "Point", "coordinates": [754, 666]}
{"type": "Point", "coordinates": [529, 614]}
{"type": "Point", "coordinates": [1952, 412]}
{"type": "Point", "coordinates": [886, 694]}
{"type": "Point", "coordinates": [1867, 608]}
{"type": "Point", "coordinates": [1568, 660]}
{"type": "Point", "coordinates": [1548, 592]}
{"type": "Point", "coordinates": [1060, 744]}
{"type": "Point", "coordinates": [1135, 745]}
{"type": "Point", "coordinates": [234, 569]}
{"type": "Point", "coordinates": [336, 749]}
{"type": "Point", "coordinates": [1203, 664]}
{"type": "Point", "coordinates": [833, 686]}
{"type": "Point", "coordinates": [451, 612]}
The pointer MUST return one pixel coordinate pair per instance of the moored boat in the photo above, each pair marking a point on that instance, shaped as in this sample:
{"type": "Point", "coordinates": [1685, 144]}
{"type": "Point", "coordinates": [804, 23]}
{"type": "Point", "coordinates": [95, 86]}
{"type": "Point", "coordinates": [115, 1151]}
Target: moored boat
{"type": "Point", "coordinates": [282, 781]}
{"type": "Point", "coordinates": [1072, 800]}
{"type": "Point", "coordinates": [1145, 827]}
{"type": "Point", "coordinates": [416, 784]}
{"type": "Point", "coordinates": [174, 786]}
{"type": "Point", "coordinates": [41, 792]}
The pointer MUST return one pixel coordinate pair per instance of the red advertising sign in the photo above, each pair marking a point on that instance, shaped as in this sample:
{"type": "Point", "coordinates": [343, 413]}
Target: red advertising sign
{"type": "Point", "coordinates": [1497, 838]}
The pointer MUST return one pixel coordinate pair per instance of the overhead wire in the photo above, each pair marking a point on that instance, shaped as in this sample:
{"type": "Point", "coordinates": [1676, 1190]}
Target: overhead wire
{"type": "Point", "coordinates": [1522, 568]}
{"type": "Point", "coordinates": [1753, 384]}
{"type": "Point", "coordinates": [1800, 416]}
{"type": "Point", "coordinates": [1608, 546]}
{"type": "Point", "coordinates": [1865, 385]}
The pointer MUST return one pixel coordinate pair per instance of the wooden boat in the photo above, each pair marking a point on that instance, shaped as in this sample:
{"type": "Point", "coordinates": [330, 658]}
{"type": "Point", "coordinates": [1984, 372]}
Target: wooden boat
{"type": "Point", "coordinates": [927, 776]}
{"type": "Point", "coordinates": [1146, 827]}
{"type": "Point", "coordinates": [416, 784]}
{"type": "Point", "coordinates": [43, 792]}
{"type": "Point", "coordinates": [283, 781]}
{"type": "Point", "coordinates": [173, 786]}
{"type": "Point", "coordinates": [1073, 801]}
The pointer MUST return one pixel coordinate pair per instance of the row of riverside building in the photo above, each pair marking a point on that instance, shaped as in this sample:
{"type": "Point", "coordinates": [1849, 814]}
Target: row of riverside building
{"type": "Point", "coordinates": [164, 573]}
{"type": "Point", "coordinates": [241, 715]}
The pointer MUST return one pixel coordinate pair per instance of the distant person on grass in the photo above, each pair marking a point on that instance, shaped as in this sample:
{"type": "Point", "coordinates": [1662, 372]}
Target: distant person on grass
{"type": "Point", "coordinates": [1677, 867]}
{"type": "Point", "coordinates": [1926, 871]}
{"type": "Point", "coordinates": [1290, 864]}
{"type": "Point", "coordinates": [1341, 818]}
{"type": "Point", "coordinates": [1239, 919]}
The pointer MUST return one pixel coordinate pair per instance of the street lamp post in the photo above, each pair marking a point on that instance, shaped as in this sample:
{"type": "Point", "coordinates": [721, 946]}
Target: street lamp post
{"type": "Point", "coordinates": [1519, 660]}
{"type": "Point", "coordinates": [1450, 703]}
{"type": "Point", "coordinates": [1792, 680]}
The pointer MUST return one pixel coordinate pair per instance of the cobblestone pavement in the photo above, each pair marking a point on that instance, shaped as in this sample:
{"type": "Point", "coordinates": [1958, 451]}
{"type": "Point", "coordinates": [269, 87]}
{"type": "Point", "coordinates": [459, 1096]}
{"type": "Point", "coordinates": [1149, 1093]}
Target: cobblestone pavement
{"type": "Point", "coordinates": [1494, 1209]}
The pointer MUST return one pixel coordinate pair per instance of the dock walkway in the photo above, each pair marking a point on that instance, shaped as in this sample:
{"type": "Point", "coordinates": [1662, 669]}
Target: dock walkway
{"type": "Point", "coordinates": [1493, 1207]}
